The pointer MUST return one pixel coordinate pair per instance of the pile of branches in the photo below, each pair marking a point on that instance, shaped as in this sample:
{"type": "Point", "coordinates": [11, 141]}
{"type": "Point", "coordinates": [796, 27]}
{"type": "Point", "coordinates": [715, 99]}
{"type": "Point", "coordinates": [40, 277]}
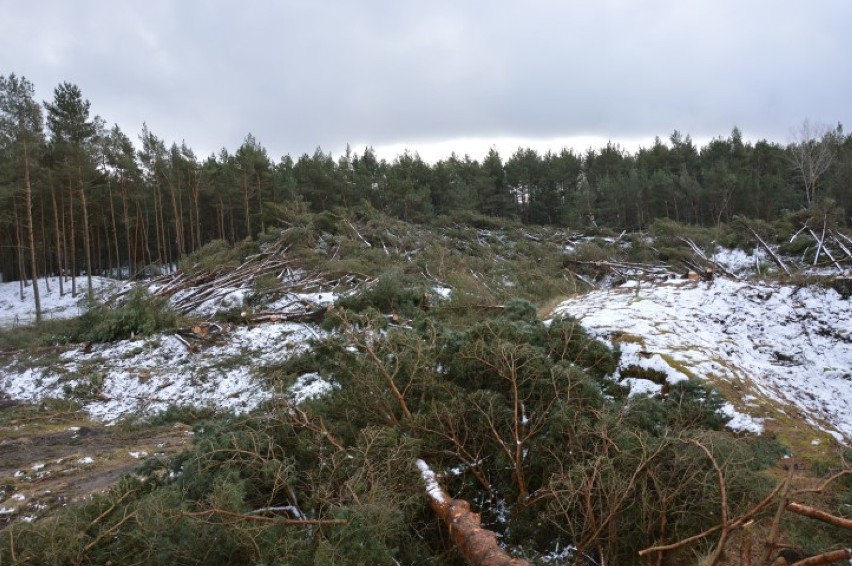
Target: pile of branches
{"type": "Point", "coordinates": [217, 282]}
{"type": "Point", "coordinates": [202, 334]}
{"type": "Point", "coordinates": [831, 247]}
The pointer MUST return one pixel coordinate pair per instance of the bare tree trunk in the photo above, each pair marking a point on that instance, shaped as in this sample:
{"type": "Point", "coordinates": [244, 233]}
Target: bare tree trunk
{"type": "Point", "coordinates": [193, 220]}
{"type": "Point", "coordinates": [145, 228]}
{"type": "Point", "coordinates": [176, 211]}
{"type": "Point", "coordinates": [197, 214]}
{"type": "Point", "coordinates": [114, 226]}
{"type": "Point", "coordinates": [260, 203]}
{"type": "Point", "coordinates": [73, 238]}
{"type": "Point", "coordinates": [28, 191]}
{"type": "Point", "coordinates": [246, 203]}
{"type": "Point", "coordinates": [131, 259]}
{"type": "Point", "coordinates": [158, 221]}
{"type": "Point", "coordinates": [60, 250]}
{"type": "Point", "coordinates": [87, 244]}
{"type": "Point", "coordinates": [19, 247]}
{"type": "Point", "coordinates": [45, 252]}
{"type": "Point", "coordinates": [222, 220]}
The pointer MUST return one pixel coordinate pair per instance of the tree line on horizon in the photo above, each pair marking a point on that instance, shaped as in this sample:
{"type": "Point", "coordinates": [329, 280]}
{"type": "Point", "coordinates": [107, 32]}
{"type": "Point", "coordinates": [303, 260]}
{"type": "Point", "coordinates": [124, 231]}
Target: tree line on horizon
{"type": "Point", "coordinates": [78, 196]}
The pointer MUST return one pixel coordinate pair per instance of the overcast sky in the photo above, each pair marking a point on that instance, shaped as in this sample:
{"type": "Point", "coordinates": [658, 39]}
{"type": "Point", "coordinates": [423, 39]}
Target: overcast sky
{"type": "Point", "coordinates": [435, 76]}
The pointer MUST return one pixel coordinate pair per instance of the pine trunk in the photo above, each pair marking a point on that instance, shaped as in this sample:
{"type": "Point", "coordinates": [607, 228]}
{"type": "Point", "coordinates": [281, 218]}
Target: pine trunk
{"type": "Point", "coordinates": [73, 238]}
{"type": "Point", "coordinates": [19, 249]}
{"type": "Point", "coordinates": [131, 259]}
{"type": "Point", "coordinates": [28, 193]}
{"type": "Point", "coordinates": [58, 234]}
{"type": "Point", "coordinates": [246, 203]}
{"type": "Point", "coordinates": [87, 245]}
{"type": "Point", "coordinates": [114, 227]}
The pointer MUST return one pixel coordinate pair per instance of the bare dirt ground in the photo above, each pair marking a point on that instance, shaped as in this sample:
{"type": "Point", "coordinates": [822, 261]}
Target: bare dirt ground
{"type": "Point", "coordinates": [50, 458]}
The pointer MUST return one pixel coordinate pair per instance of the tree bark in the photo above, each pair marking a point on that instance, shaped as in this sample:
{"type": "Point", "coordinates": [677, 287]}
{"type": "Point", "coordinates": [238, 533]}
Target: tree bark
{"type": "Point", "coordinates": [58, 235]}
{"type": "Point", "coordinates": [87, 243]}
{"type": "Point", "coordinates": [478, 546]}
{"type": "Point", "coordinates": [19, 247]}
{"type": "Point", "coordinates": [826, 558]}
{"type": "Point", "coordinates": [28, 191]}
{"type": "Point", "coordinates": [73, 237]}
{"type": "Point", "coordinates": [131, 259]}
{"type": "Point", "coordinates": [819, 514]}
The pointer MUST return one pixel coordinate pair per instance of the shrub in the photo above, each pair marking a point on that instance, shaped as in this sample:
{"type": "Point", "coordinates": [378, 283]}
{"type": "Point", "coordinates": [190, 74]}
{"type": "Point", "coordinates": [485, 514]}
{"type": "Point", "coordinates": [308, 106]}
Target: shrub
{"type": "Point", "coordinates": [393, 292]}
{"type": "Point", "coordinates": [140, 315]}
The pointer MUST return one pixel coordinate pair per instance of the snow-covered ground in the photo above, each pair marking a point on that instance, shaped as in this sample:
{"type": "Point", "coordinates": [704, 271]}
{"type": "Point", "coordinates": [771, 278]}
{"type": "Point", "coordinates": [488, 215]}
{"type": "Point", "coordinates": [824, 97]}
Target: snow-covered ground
{"type": "Point", "coordinates": [776, 345]}
{"type": "Point", "coordinates": [143, 377]}
{"type": "Point", "coordinates": [15, 310]}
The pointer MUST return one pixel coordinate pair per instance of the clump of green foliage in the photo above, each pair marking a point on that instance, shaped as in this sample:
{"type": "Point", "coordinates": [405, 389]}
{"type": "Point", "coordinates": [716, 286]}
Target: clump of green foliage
{"type": "Point", "coordinates": [140, 315]}
{"type": "Point", "coordinates": [393, 292]}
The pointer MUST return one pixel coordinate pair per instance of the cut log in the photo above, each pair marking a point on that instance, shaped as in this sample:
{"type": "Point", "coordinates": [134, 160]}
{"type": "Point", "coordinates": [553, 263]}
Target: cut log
{"type": "Point", "coordinates": [826, 558]}
{"type": "Point", "coordinates": [819, 514]}
{"type": "Point", "coordinates": [708, 264]}
{"type": "Point", "coordinates": [478, 546]}
{"type": "Point", "coordinates": [310, 316]}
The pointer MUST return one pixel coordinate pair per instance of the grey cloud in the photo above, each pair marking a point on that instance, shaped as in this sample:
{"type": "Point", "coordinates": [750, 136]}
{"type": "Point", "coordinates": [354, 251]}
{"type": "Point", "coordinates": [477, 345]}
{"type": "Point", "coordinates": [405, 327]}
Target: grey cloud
{"type": "Point", "coordinates": [303, 74]}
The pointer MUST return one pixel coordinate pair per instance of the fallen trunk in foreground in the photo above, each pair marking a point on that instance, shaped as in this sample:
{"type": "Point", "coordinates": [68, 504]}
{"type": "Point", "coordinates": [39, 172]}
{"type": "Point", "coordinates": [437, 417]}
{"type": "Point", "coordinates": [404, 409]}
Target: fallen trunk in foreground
{"type": "Point", "coordinates": [478, 546]}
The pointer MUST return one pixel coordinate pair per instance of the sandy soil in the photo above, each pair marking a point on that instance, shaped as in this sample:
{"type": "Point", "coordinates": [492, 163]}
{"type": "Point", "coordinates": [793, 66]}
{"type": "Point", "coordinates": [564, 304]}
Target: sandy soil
{"type": "Point", "coordinates": [50, 459]}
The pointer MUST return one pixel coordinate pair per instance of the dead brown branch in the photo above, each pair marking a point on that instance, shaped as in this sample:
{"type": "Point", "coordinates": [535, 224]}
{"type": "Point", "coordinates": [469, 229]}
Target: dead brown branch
{"type": "Point", "coordinates": [818, 514]}
{"type": "Point", "coordinates": [770, 543]}
{"type": "Point", "coordinates": [110, 510]}
{"type": "Point", "coordinates": [108, 532]}
{"type": "Point", "coordinates": [717, 552]}
{"type": "Point", "coordinates": [826, 558]}
{"type": "Point", "coordinates": [737, 523]}
{"type": "Point", "coordinates": [389, 380]}
{"type": "Point", "coordinates": [824, 485]}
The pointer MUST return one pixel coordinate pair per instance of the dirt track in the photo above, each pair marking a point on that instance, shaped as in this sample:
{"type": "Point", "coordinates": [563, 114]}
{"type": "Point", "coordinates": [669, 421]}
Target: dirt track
{"type": "Point", "coordinates": [49, 459]}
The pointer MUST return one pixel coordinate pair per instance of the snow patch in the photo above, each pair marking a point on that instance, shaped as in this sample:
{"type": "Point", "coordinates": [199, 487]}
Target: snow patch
{"type": "Point", "coordinates": [781, 343]}
{"type": "Point", "coordinates": [432, 487]}
{"type": "Point", "coordinates": [145, 377]}
{"type": "Point", "coordinates": [309, 386]}
{"type": "Point", "coordinates": [16, 310]}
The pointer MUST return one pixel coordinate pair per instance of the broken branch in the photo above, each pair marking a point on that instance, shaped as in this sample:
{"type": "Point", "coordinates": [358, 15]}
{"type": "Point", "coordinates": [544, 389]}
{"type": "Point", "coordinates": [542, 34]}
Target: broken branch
{"type": "Point", "coordinates": [819, 515]}
{"type": "Point", "coordinates": [826, 558]}
{"type": "Point", "coordinates": [261, 518]}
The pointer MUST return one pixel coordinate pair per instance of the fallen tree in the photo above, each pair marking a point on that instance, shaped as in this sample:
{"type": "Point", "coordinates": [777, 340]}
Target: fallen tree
{"type": "Point", "coordinates": [478, 546]}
